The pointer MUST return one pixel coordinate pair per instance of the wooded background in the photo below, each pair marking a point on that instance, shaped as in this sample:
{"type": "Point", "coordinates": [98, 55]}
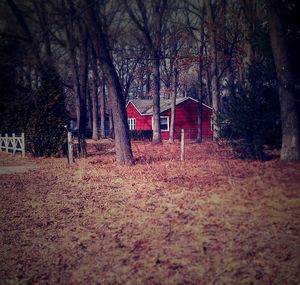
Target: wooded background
{"type": "Point", "coordinates": [61, 57]}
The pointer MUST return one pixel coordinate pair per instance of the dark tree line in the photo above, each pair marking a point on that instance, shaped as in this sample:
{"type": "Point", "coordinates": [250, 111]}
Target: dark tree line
{"type": "Point", "coordinates": [91, 57]}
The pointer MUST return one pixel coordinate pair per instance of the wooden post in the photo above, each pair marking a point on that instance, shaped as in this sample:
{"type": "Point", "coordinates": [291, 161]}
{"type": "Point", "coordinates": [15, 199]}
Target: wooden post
{"type": "Point", "coordinates": [6, 142]}
{"type": "Point", "coordinates": [182, 145]}
{"type": "Point", "coordinates": [70, 148]}
{"type": "Point", "coordinates": [14, 143]}
{"type": "Point", "coordinates": [23, 144]}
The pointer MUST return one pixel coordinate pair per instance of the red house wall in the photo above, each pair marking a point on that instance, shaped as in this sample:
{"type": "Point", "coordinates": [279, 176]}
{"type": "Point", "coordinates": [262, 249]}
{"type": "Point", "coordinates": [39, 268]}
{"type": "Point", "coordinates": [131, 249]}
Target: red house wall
{"type": "Point", "coordinates": [185, 118]}
{"type": "Point", "coordinates": [142, 122]}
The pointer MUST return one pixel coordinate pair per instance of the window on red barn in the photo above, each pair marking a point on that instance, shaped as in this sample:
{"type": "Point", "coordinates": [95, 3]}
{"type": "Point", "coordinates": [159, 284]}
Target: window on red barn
{"type": "Point", "coordinates": [132, 124]}
{"type": "Point", "coordinates": [164, 123]}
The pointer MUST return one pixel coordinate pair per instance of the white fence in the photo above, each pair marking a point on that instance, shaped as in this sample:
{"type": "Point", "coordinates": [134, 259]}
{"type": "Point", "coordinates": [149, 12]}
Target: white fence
{"type": "Point", "coordinates": [13, 143]}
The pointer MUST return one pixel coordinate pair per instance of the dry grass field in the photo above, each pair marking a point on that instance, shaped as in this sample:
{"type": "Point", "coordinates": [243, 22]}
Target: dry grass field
{"type": "Point", "coordinates": [211, 219]}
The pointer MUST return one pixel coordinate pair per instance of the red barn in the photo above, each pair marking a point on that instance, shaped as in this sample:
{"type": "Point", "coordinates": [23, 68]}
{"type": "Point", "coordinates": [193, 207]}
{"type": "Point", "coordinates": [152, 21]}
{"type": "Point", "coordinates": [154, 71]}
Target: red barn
{"type": "Point", "coordinates": [140, 111]}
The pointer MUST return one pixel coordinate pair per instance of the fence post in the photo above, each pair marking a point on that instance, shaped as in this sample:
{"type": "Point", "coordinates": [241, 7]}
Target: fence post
{"type": "Point", "coordinates": [14, 143]}
{"type": "Point", "coordinates": [182, 145]}
{"type": "Point", "coordinates": [6, 142]}
{"type": "Point", "coordinates": [23, 144]}
{"type": "Point", "coordinates": [70, 148]}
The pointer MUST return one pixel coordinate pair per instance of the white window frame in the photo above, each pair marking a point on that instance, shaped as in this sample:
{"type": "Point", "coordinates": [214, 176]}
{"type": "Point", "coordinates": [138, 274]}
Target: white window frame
{"type": "Point", "coordinates": [168, 123]}
{"type": "Point", "coordinates": [132, 124]}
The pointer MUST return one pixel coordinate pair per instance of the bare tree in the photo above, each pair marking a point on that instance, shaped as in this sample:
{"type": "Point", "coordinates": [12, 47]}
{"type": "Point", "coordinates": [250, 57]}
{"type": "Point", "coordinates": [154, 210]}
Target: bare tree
{"type": "Point", "coordinates": [215, 88]}
{"type": "Point", "coordinates": [77, 51]}
{"type": "Point", "coordinates": [199, 35]}
{"type": "Point", "coordinates": [122, 140]}
{"type": "Point", "coordinates": [221, 50]}
{"type": "Point", "coordinates": [149, 19]}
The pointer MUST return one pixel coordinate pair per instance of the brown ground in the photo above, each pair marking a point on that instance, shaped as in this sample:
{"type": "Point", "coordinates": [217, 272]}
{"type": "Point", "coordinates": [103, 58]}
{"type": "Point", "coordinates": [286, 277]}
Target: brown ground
{"type": "Point", "coordinates": [211, 219]}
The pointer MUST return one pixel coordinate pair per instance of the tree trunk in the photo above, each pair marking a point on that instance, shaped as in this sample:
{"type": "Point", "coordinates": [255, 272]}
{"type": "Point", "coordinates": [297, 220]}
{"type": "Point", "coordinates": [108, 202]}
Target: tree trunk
{"type": "Point", "coordinates": [148, 79]}
{"type": "Point", "coordinates": [102, 108]}
{"type": "Point", "coordinates": [200, 91]}
{"type": "Point", "coordinates": [95, 116]}
{"type": "Point", "coordinates": [89, 111]}
{"type": "Point", "coordinates": [173, 106]}
{"type": "Point", "coordinates": [215, 105]}
{"type": "Point", "coordinates": [208, 85]}
{"type": "Point", "coordinates": [214, 71]}
{"type": "Point", "coordinates": [156, 103]}
{"type": "Point", "coordinates": [83, 75]}
{"type": "Point", "coordinates": [94, 99]}
{"type": "Point", "coordinates": [249, 22]}
{"type": "Point", "coordinates": [111, 124]}
{"type": "Point", "coordinates": [79, 114]}
{"type": "Point", "coordinates": [290, 149]}
{"type": "Point", "coordinates": [122, 140]}
{"type": "Point", "coordinates": [200, 83]}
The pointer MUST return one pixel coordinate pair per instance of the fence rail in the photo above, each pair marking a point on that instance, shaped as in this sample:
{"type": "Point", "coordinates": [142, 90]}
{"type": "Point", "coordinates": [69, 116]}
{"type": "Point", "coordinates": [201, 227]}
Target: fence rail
{"type": "Point", "coordinates": [13, 143]}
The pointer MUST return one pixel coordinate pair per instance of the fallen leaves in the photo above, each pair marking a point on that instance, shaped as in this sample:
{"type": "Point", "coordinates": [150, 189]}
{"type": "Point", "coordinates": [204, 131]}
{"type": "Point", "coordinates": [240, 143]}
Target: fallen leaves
{"type": "Point", "coordinates": [211, 219]}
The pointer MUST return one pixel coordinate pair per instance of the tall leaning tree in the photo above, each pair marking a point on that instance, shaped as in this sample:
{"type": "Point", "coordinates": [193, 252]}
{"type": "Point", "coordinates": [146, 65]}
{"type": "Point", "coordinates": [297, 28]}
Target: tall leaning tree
{"type": "Point", "coordinates": [99, 38]}
{"type": "Point", "coordinates": [290, 148]}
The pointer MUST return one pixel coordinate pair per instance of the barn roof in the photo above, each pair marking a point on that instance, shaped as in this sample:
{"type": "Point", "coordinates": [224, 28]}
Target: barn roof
{"type": "Point", "coordinates": [144, 106]}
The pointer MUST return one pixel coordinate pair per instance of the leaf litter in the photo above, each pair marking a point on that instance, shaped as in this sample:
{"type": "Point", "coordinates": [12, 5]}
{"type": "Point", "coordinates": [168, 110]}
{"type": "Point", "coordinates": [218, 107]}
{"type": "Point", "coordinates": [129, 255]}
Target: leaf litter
{"type": "Point", "coordinates": [210, 219]}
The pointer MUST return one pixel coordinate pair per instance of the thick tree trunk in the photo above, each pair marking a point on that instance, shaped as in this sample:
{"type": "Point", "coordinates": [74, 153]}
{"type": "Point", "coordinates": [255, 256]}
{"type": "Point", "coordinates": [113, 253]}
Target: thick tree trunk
{"type": "Point", "coordinates": [173, 106]}
{"type": "Point", "coordinates": [122, 140]}
{"type": "Point", "coordinates": [290, 149]}
{"type": "Point", "coordinates": [156, 103]}
{"type": "Point", "coordinates": [121, 130]}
